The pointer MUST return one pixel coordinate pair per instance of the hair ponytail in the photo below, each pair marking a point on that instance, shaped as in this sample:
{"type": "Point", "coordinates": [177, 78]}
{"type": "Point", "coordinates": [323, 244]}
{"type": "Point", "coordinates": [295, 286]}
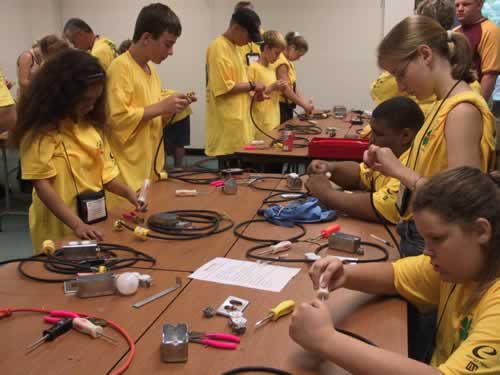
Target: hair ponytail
{"type": "Point", "coordinates": [460, 57]}
{"type": "Point", "coordinates": [294, 38]}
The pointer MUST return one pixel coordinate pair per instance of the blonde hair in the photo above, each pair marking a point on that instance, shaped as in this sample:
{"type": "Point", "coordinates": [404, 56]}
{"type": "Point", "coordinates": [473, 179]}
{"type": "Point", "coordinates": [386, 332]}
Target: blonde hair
{"type": "Point", "coordinates": [293, 38]}
{"type": "Point", "coordinates": [442, 11]}
{"type": "Point", "coordinates": [402, 41]}
{"type": "Point", "coordinates": [50, 45]}
{"type": "Point", "coordinates": [273, 39]}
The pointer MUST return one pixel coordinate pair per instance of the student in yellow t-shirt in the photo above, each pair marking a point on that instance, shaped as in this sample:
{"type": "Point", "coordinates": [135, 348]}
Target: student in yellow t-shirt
{"type": "Point", "coordinates": [425, 59]}
{"type": "Point", "coordinates": [81, 36]}
{"type": "Point", "coordinates": [250, 52]}
{"type": "Point", "coordinates": [458, 276]}
{"type": "Point", "coordinates": [228, 125]}
{"type": "Point", "coordinates": [266, 113]}
{"type": "Point", "coordinates": [62, 149]}
{"type": "Point", "coordinates": [296, 47]}
{"type": "Point", "coordinates": [133, 93]}
{"type": "Point", "coordinates": [395, 123]}
{"type": "Point", "coordinates": [8, 114]}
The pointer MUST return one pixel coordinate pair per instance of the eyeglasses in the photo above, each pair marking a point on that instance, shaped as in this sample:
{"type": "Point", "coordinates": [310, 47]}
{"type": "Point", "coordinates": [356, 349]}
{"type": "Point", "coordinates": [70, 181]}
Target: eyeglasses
{"type": "Point", "coordinates": [401, 73]}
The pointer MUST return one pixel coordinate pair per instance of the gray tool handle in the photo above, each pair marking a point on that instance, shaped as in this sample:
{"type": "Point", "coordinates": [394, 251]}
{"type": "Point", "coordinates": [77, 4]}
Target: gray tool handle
{"type": "Point", "coordinates": [155, 296]}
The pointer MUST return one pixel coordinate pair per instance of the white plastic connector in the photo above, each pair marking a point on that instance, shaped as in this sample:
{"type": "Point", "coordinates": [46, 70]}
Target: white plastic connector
{"type": "Point", "coordinates": [322, 293]}
{"type": "Point", "coordinates": [186, 193]}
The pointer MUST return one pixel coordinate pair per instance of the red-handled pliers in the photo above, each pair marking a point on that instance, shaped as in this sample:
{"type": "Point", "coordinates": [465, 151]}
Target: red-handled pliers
{"type": "Point", "coordinates": [215, 340]}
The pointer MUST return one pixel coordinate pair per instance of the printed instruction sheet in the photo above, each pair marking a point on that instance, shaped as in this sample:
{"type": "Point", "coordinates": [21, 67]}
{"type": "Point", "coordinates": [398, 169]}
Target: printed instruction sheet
{"type": "Point", "coordinates": [245, 274]}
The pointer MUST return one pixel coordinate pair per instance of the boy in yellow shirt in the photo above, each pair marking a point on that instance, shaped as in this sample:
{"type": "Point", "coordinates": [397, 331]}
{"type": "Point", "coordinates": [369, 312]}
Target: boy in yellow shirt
{"type": "Point", "coordinates": [395, 123]}
{"type": "Point", "coordinates": [77, 32]}
{"type": "Point", "coordinates": [134, 99]}
{"type": "Point", "coordinates": [63, 151]}
{"type": "Point", "coordinates": [228, 125]}
{"type": "Point", "coordinates": [266, 113]}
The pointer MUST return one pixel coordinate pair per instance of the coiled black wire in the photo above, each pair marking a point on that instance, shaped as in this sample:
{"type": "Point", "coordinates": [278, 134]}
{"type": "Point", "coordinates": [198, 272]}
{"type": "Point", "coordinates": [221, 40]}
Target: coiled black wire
{"type": "Point", "coordinates": [272, 241]}
{"type": "Point", "coordinates": [189, 176]}
{"type": "Point", "coordinates": [303, 129]}
{"type": "Point", "coordinates": [58, 264]}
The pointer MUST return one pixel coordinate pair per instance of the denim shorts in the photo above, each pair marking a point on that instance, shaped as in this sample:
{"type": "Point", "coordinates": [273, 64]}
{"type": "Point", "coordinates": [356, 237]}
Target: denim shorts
{"type": "Point", "coordinates": [177, 134]}
{"type": "Point", "coordinates": [411, 243]}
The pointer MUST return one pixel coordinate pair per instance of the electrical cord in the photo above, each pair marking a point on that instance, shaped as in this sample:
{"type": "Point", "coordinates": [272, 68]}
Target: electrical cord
{"type": "Point", "coordinates": [183, 224]}
{"type": "Point", "coordinates": [274, 140]}
{"type": "Point", "coordinates": [59, 264]}
{"type": "Point", "coordinates": [247, 222]}
{"type": "Point", "coordinates": [7, 312]}
{"type": "Point", "coordinates": [267, 370]}
{"type": "Point", "coordinates": [303, 129]}
{"type": "Point", "coordinates": [188, 176]}
{"type": "Point", "coordinates": [276, 192]}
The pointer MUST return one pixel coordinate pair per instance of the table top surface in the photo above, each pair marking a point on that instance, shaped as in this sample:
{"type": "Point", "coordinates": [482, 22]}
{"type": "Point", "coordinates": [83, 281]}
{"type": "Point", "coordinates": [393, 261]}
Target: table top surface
{"type": "Point", "coordinates": [381, 320]}
{"type": "Point", "coordinates": [344, 128]}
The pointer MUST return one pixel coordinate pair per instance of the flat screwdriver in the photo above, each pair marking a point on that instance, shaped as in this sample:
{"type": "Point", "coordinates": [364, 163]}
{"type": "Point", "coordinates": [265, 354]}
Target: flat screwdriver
{"type": "Point", "coordinates": [282, 309]}
{"type": "Point", "coordinates": [50, 334]}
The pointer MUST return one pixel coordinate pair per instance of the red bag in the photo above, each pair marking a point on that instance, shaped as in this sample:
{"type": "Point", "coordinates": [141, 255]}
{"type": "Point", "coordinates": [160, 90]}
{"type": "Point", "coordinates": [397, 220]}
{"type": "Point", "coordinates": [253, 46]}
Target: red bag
{"type": "Point", "coordinates": [338, 148]}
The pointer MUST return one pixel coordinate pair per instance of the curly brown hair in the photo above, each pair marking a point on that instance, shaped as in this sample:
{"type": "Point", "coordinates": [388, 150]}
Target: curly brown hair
{"type": "Point", "coordinates": [55, 91]}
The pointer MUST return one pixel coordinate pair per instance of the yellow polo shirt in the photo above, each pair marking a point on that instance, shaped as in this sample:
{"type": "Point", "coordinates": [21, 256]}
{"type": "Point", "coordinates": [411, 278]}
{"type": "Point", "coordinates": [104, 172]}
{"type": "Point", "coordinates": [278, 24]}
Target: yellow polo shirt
{"type": "Point", "coordinates": [386, 190]}
{"type": "Point", "coordinates": [433, 155]}
{"type": "Point", "coordinates": [5, 96]}
{"type": "Point", "coordinates": [465, 344]}
{"type": "Point", "coordinates": [43, 157]}
{"type": "Point", "coordinates": [134, 142]}
{"type": "Point", "coordinates": [105, 51]}
{"type": "Point", "coordinates": [228, 125]}
{"type": "Point", "coordinates": [266, 113]}
{"type": "Point", "coordinates": [292, 75]}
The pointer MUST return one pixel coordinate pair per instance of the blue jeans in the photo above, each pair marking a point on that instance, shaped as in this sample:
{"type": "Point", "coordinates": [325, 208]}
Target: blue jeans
{"type": "Point", "coordinates": [411, 243]}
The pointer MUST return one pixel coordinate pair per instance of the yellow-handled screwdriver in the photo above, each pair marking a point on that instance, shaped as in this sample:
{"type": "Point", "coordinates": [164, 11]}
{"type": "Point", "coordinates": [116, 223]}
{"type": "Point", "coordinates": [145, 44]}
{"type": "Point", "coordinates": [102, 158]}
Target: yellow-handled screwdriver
{"type": "Point", "coordinates": [282, 309]}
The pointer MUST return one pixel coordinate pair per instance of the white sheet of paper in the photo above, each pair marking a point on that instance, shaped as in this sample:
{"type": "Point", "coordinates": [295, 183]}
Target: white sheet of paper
{"type": "Point", "coordinates": [245, 274]}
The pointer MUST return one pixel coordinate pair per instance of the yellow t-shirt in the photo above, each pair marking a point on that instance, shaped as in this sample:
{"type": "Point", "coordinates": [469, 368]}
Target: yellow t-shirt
{"type": "Point", "coordinates": [433, 154]}
{"type": "Point", "coordinates": [250, 48]}
{"type": "Point", "coordinates": [464, 344]}
{"type": "Point", "coordinates": [266, 113]}
{"type": "Point", "coordinates": [386, 87]}
{"type": "Point", "coordinates": [227, 119]}
{"type": "Point", "coordinates": [292, 75]}
{"type": "Point", "coordinates": [5, 96]}
{"type": "Point", "coordinates": [386, 190]}
{"type": "Point", "coordinates": [105, 51]}
{"type": "Point", "coordinates": [43, 157]}
{"type": "Point", "coordinates": [165, 93]}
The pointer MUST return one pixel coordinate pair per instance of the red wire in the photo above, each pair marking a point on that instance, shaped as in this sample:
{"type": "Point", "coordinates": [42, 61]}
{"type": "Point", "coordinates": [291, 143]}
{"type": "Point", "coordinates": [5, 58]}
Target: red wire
{"type": "Point", "coordinates": [6, 312]}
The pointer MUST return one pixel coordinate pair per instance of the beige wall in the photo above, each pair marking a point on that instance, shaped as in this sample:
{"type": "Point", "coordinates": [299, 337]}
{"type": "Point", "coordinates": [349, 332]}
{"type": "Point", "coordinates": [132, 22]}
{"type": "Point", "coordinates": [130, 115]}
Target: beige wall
{"type": "Point", "coordinates": [339, 68]}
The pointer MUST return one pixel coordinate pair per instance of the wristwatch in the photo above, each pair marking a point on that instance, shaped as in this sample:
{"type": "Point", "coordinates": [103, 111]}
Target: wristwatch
{"type": "Point", "coordinates": [252, 85]}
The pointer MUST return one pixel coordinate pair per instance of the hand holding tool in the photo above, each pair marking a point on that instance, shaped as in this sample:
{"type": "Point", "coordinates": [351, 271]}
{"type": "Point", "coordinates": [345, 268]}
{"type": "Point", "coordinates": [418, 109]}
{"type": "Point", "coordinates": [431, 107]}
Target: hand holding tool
{"type": "Point", "coordinates": [215, 340]}
{"type": "Point", "coordinates": [325, 232]}
{"type": "Point", "coordinates": [60, 327]}
{"type": "Point", "coordinates": [282, 309]}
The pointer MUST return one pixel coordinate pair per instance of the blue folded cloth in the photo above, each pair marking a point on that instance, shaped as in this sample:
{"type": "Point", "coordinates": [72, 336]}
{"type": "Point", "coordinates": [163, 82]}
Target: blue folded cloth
{"type": "Point", "coordinates": [301, 212]}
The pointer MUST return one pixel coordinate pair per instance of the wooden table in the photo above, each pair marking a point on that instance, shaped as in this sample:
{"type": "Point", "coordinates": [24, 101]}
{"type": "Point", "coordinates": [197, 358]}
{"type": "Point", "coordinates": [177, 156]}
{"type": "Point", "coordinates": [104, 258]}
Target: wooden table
{"type": "Point", "coordinates": [382, 320]}
{"type": "Point", "coordinates": [298, 155]}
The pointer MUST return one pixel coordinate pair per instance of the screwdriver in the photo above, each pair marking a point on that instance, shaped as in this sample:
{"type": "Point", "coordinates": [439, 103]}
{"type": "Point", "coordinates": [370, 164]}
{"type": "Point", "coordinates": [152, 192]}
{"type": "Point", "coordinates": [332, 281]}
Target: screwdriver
{"type": "Point", "coordinates": [282, 309]}
{"type": "Point", "coordinates": [85, 326]}
{"type": "Point", "coordinates": [50, 334]}
{"type": "Point", "coordinates": [325, 233]}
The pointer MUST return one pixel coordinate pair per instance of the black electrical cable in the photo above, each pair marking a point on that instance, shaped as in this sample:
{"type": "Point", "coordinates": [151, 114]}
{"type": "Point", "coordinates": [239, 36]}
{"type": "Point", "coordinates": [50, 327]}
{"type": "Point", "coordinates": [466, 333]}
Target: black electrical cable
{"type": "Point", "coordinates": [188, 176]}
{"type": "Point", "coordinates": [303, 129]}
{"type": "Point", "coordinates": [364, 243]}
{"type": "Point", "coordinates": [199, 224]}
{"type": "Point", "coordinates": [247, 222]}
{"type": "Point", "coordinates": [267, 370]}
{"type": "Point", "coordinates": [155, 160]}
{"type": "Point", "coordinates": [57, 263]}
{"type": "Point", "coordinates": [274, 140]}
{"type": "Point", "coordinates": [297, 195]}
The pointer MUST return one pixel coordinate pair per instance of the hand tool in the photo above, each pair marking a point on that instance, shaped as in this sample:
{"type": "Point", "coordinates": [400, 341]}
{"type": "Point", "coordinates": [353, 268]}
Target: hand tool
{"type": "Point", "coordinates": [282, 309]}
{"type": "Point", "coordinates": [322, 293]}
{"type": "Point", "coordinates": [59, 328]}
{"type": "Point", "coordinates": [85, 326]}
{"type": "Point", "coordinates": [387, 243]}
{"type": "Point", "coordinates": [178, 284]}
{"type": "Point", "coordinates": [325, 232]}
{"type": "Point", "coordinates": [277, 248]}
{"type": "Point", "coordinates": [215, 340]}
